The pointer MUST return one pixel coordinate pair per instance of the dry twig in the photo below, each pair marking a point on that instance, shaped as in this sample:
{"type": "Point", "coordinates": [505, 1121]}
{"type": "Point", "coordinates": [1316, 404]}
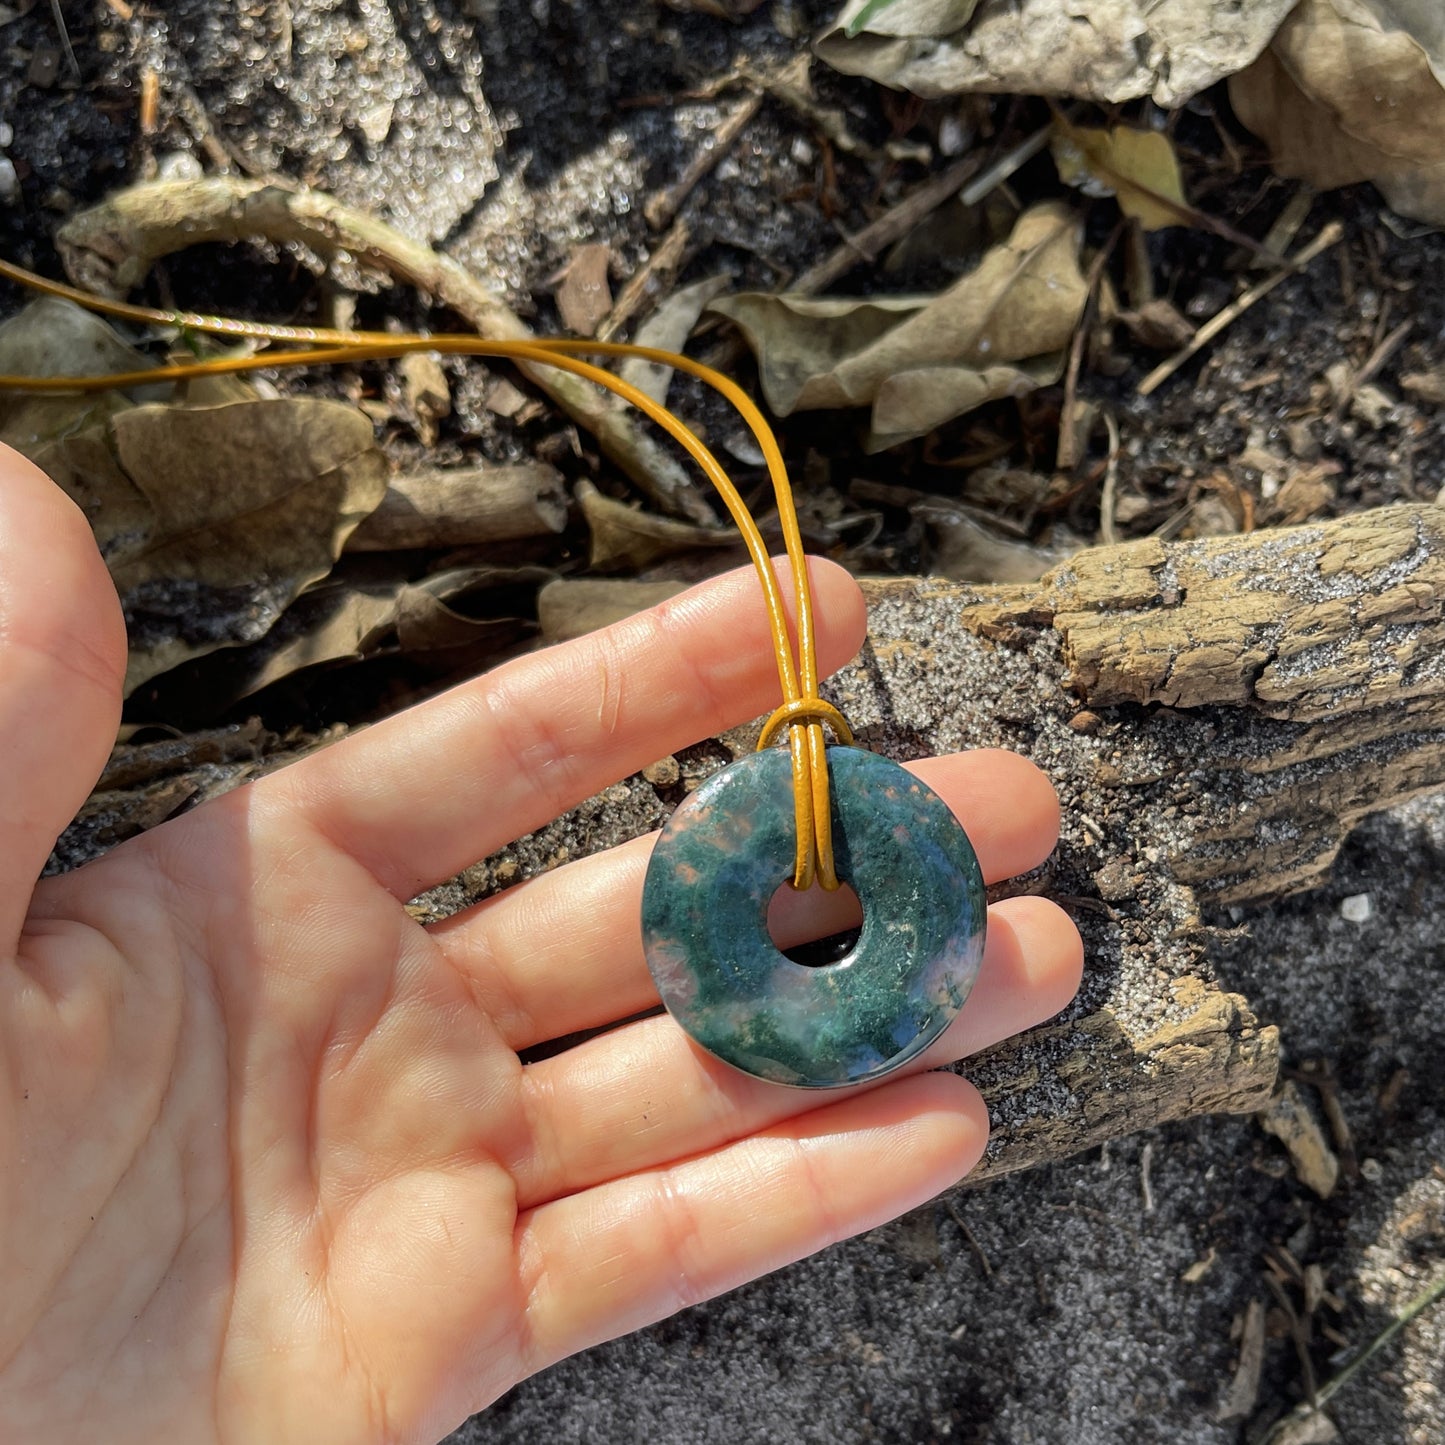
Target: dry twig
{"type": "Point", "coordinates": [1329, 236]}
{"type": "Point", "coordinates": [110, 247]}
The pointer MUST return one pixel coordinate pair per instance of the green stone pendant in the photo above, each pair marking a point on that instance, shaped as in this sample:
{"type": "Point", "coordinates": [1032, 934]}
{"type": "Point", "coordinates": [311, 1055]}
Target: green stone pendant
{"type": "Point", "coordinates": [714, 871]}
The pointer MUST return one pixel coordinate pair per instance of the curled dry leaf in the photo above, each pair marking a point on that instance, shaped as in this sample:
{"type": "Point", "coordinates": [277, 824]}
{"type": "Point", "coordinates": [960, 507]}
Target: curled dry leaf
{"type": "Point", "coordinates": [968, 551]}
{"type": "Point", "coordinates": [51, 337]}
{"type": "Point", "coordinates": [574, 606]}
{"type": "Point", "coordinates": [1354, 90]}
{"type": "Point", "coordinates": [667, 329]}
{"type": "Point", "coordinates": [921, 361]}
{"type": "Point", "coordinates": [627, 539]}
{"type": "Point", "coordinates": [1137, 167]}
{"type": "Point", "coordinates": [212, 521]}
{"type": "Point", "coordinates": [360, 612]}
{"type": "Point", "coordinates": [1108, 50]}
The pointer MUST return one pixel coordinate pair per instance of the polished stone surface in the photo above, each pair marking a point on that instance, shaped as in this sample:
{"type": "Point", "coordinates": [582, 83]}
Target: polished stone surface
{"type": "Point", "coordinates": [714, 871]}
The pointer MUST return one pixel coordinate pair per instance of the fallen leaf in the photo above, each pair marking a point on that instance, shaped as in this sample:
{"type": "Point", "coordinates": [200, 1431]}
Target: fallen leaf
{"type": "Point", "coordinates": [1109, 50]}
{"type": "Point", "coordinates": [51, 337]}
{"type": "Point", "coordinates": [667, 329]}
{"type": "Point", "coordinates": [425, 391]}
{"type": "Point", "coordinates": [1426, 386]}
{"type": "Point", "coordinates": [918, 362]}
{"type": "Point", "coordinates": [968, 551]}
{"type": "Point", "coordinates": [1243, 1393]}
{"type": "Point", "coordinates": [1354, 90]}
{"type": "Point", "coordinates": [1137, 167]}
{"type": "Point", "coordinates": [357, 613]}
{"type": "Point", "coordinates": [584, 297]}
{"type": "Point", "coordinates": [1158, 324]}
{"type": "Point", "coordinates": [574, 606]}
{"type": "Point", "coordinates": [625, 538]}
{"type": "Point", "coordinates": [1309, 1427]}
{"type": "Point", "coordinates": [212, 521]}
{"type": "Point", "coordinates": [1291, 1120]}
{"type": "Point", "coordinates": [1303, 497]}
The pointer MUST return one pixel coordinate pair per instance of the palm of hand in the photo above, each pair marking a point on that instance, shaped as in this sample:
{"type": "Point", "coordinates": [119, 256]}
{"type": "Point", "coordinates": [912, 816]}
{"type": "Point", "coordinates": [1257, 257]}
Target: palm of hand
{"type": "Point", "coordinates": [270, 1165]}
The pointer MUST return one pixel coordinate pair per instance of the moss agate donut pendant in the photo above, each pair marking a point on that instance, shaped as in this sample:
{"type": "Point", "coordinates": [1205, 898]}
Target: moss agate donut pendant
{"type": "Point", "coordinates": [705, 902]}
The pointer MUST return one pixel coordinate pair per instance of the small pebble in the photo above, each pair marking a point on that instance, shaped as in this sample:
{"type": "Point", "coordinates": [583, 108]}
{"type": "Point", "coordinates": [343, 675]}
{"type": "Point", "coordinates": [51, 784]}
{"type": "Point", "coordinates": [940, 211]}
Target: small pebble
{"type": "Point", "coordinates": [802, 151]}
{"type": "Point", "coordinates": [663, 773]}
{"type": "Point", "coordinates": [1357, 908]}
{"type": "Point", "coordinates": [7, 133]}
{"type": "Point", "coordinates": [1085, 722]}
{"type": "Point", "coordinates": [9, 181]}
{"type": "Point", "coordinates": [178, 166]}
{"type": "Point", "coordinates": [1372, 1170]}
{"type": "Point", "coordinates": [953, 137]}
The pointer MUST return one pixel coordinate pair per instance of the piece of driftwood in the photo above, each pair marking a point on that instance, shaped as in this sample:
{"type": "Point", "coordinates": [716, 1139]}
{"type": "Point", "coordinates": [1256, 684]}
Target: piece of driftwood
{"type": "Point", "coordinates": [465, 507]}
{"type": "Point", "coordinates": [1303, 671]}
{"type": "Point", "coordinates": [1216, 715]}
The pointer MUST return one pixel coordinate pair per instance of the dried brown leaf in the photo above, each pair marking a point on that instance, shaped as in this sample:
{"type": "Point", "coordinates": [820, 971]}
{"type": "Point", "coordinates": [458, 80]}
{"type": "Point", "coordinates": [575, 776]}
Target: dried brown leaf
{"type": "Point", "coordinates": [1110, 50]}
{"type": "Point", "coordinates": [1137, 167]}
{"type": "Point", "coordinates": [1354, 90]}
{"type": "Point", "coordinates": [213, 520]}
{"type": "Point", "coordinates": [627, 539]}
{"type": "Point", "coordinates": [584, 296]}
{"type": "Point", "coordinates": [667, 329]}
{"type": "Point", "coordinates": [51, 337]}
{"type": "Point", "coordinates": [358, 612]}
{"type": "Point", "coordinates": [920, 361]}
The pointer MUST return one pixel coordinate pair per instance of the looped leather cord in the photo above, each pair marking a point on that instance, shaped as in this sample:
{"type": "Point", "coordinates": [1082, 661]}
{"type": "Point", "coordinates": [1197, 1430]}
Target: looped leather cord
{"type": "Point", "coordinates": [803, 712]}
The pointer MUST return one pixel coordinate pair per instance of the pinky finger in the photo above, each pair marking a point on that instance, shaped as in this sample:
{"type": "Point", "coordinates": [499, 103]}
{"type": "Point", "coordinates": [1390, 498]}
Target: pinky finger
{"type": "Point", "coordinates": [630, 1252]}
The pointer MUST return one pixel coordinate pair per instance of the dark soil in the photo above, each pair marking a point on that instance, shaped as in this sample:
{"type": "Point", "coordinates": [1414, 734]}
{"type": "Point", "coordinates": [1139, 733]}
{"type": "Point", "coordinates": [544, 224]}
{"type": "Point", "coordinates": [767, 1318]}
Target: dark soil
{"type": "Point", "coordinates": [507, 135]}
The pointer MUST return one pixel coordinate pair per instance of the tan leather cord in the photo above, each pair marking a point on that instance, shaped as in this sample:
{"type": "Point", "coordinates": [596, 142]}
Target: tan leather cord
{"type": "Point", "coordinates": [802, 713]}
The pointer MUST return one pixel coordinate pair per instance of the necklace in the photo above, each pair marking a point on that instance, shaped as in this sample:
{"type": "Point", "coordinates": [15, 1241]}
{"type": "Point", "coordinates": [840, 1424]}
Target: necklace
{"type": "Point", "coordinates": [813, 815]}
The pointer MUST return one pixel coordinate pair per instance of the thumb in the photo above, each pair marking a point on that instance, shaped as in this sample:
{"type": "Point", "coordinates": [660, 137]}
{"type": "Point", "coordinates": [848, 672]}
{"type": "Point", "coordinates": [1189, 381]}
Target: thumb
{"type": "Point", "coordinates": [62, 662]}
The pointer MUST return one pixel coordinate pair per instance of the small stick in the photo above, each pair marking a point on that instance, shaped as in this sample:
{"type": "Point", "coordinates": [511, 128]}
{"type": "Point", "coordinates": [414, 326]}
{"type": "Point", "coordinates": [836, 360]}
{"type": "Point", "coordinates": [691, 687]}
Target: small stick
{"type": "Point", "coordinates": [787, 88]}
{"type": "Point", "coordinates": [1286, 227]}
{"type": "Point", "coordinates": [464, 507]}
{"type": "Point", "coordinates": [1006, 165]}
{"type": "Point", "coordinates": [1109, 500]}
{"type": "Point", "coordinates": [972, 1239]}
{"type": "Point", "coordinates": [1068, 443]}
{"type": "Point", "coordinates": [1328, 237]}
{"type": "Point", "coordinates": [110, 247]}
{"type": "Point", "coordinates": [1427, 1297]}
{"type": "Point", "coordinates": [1388, 346]}
{"type": "Point", "coordinates": [634, 298]}
{"type": "Point", "coordinates": [59, 17]}
{"type": "Point", "coordinates": [664, 206]}
{"type": "Point", "coordinates": [1146, 1187]}
{"type": "Point", "coordinates": [891, 226]}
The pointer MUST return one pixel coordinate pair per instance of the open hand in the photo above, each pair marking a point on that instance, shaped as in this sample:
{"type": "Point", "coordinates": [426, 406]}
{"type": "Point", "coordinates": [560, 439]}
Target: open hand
{"type": "Point", "coordinates": [271, 1169]}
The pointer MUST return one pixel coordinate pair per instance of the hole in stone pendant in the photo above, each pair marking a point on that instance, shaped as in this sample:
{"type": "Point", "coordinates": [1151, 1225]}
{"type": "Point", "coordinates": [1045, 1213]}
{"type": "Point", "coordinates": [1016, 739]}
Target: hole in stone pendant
{"type": "Point", "coordinates": [815, 928]}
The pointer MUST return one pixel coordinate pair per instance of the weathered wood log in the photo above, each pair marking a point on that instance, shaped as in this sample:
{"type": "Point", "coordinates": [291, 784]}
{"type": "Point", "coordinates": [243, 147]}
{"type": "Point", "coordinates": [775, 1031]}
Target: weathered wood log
{"type": "Point", "coordinates": [1216, 716]}
{"type": "Point", "coordinates": [465, 507]}
{"type": "Point", "coordinates": [1304, 669]}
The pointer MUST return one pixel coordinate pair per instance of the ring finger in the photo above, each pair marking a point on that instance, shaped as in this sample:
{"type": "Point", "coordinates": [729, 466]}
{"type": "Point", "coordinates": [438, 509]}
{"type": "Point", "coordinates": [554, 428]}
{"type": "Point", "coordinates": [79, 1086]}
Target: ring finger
{"type": "Point", "coordinates": [644, 1095]}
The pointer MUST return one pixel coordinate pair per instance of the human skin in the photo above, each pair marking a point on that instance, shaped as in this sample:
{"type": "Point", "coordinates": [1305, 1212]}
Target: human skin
{"type": "Point", "coordinates": [271, 1168]}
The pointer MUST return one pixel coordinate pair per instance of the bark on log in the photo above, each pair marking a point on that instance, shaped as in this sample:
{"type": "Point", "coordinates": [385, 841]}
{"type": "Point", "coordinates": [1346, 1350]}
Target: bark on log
{"type": "Point", "coordinates": [464, 507]}
{"type": "Point", "coordinates": [1308, 664]}
{"type": "Point", "coordinates": [1216, 715]}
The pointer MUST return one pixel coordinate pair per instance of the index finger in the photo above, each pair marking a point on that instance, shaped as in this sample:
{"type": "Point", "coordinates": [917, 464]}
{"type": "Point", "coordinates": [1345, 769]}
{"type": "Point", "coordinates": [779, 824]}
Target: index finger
{"type": "Point", "coordinates": [424, 794]}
